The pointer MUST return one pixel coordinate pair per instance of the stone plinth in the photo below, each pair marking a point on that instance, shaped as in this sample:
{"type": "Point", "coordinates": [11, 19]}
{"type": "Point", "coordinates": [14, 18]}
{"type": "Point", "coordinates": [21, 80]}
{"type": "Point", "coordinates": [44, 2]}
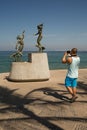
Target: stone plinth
{"type": "Point", "coordinates": [36, 69]}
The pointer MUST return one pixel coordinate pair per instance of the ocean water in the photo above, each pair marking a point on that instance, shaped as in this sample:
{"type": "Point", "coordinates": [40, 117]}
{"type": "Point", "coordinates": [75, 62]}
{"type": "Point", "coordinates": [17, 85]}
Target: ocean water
{"type": "Point", "coordinates": [54, 60]}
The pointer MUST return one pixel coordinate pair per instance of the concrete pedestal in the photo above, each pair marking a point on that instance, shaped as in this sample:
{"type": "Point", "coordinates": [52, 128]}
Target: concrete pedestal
{"type": "Point", "coordinates": [36, 69]}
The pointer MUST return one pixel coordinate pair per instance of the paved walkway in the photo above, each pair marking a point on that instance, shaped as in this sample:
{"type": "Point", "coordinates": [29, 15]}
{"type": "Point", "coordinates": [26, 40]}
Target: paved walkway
{"type": "Point", "coordinates": [42, 105]}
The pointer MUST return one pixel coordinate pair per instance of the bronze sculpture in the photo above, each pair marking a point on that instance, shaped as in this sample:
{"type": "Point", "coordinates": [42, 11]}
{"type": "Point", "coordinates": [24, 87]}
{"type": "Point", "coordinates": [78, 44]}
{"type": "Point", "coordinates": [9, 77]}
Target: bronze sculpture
{"type": "Point", "coordinates": [20, 43]}
{"type": "Point", "coordinates": [39, 33]}
{"type": "Point", "coordinates": [19, 47]}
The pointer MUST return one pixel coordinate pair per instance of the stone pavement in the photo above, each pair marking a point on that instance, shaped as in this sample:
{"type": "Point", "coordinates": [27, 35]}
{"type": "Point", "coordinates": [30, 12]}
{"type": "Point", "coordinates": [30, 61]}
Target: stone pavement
{"type": "Point", "coordinates": [42, 105]}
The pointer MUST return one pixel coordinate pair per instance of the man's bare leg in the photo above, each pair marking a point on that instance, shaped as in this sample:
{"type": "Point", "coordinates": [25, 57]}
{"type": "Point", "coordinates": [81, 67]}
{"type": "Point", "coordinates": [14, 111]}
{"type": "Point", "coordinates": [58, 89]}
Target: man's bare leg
{"type": "Point", "coordinates": [70, 90]}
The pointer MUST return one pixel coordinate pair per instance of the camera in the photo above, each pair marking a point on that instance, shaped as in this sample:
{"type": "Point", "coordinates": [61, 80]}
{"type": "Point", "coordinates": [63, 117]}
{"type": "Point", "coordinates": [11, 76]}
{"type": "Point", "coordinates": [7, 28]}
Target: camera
{"type": "Point", "coordinates": [68, 51]}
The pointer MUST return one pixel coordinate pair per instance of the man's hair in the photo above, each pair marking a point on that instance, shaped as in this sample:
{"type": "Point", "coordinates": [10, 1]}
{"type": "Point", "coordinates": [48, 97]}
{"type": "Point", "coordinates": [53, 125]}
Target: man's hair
{"type": "Point", "coordinates": [74, 51]}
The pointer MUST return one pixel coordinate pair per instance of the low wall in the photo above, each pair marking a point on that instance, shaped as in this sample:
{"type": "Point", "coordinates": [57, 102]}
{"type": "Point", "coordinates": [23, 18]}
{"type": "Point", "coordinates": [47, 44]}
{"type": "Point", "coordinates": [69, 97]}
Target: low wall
{"type": "Point", "coordinates": [36, 69]}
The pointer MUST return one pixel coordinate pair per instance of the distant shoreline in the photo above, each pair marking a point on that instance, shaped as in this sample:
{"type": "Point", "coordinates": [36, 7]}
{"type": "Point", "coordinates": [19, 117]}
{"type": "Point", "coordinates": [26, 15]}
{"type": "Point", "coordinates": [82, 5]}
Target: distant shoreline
{"type": "Point", "coordinates": [54, 60]}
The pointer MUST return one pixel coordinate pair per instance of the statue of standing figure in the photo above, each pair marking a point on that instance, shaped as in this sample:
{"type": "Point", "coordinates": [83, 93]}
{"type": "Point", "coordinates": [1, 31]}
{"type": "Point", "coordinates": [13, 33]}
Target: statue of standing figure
{"type": "Point", "coordinates": [19, 47]}
{"type": "Point", "coordinates": [39, 33]}
{"type": "Point", "coordinates": [20, 43]}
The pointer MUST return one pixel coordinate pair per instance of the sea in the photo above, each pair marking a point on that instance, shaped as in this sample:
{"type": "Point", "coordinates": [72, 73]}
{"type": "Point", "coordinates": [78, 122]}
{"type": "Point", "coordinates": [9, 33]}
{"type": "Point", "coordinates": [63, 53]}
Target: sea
{"type": "Point", "coordinates": [54, 60]}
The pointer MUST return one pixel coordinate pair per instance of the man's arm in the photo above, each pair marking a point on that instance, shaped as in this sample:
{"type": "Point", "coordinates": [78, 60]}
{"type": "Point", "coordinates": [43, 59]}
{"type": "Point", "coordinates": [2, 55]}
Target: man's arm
{"type": "Point", "coordinates": [66, 59]}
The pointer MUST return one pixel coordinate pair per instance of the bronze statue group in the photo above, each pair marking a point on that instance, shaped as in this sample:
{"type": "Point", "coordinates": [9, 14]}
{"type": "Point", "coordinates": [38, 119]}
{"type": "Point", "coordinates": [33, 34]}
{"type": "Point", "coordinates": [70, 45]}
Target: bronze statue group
{"type": "Point", "coordinates": [20, 44]}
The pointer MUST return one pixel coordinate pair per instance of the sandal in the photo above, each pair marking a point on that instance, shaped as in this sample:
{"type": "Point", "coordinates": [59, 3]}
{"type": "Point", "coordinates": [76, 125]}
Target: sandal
{"type": "Point", "coordinates": [73, 99]}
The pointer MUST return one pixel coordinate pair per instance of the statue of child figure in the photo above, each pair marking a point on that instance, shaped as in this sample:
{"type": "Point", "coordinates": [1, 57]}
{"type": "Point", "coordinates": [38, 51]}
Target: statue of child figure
{"type": "Point", "coordinates": [19, 47]}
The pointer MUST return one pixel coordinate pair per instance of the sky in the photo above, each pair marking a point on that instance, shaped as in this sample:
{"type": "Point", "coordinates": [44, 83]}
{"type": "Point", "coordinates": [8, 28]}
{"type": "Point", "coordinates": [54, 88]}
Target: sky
{"type": "Point", "coordinates": [64, 24]}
